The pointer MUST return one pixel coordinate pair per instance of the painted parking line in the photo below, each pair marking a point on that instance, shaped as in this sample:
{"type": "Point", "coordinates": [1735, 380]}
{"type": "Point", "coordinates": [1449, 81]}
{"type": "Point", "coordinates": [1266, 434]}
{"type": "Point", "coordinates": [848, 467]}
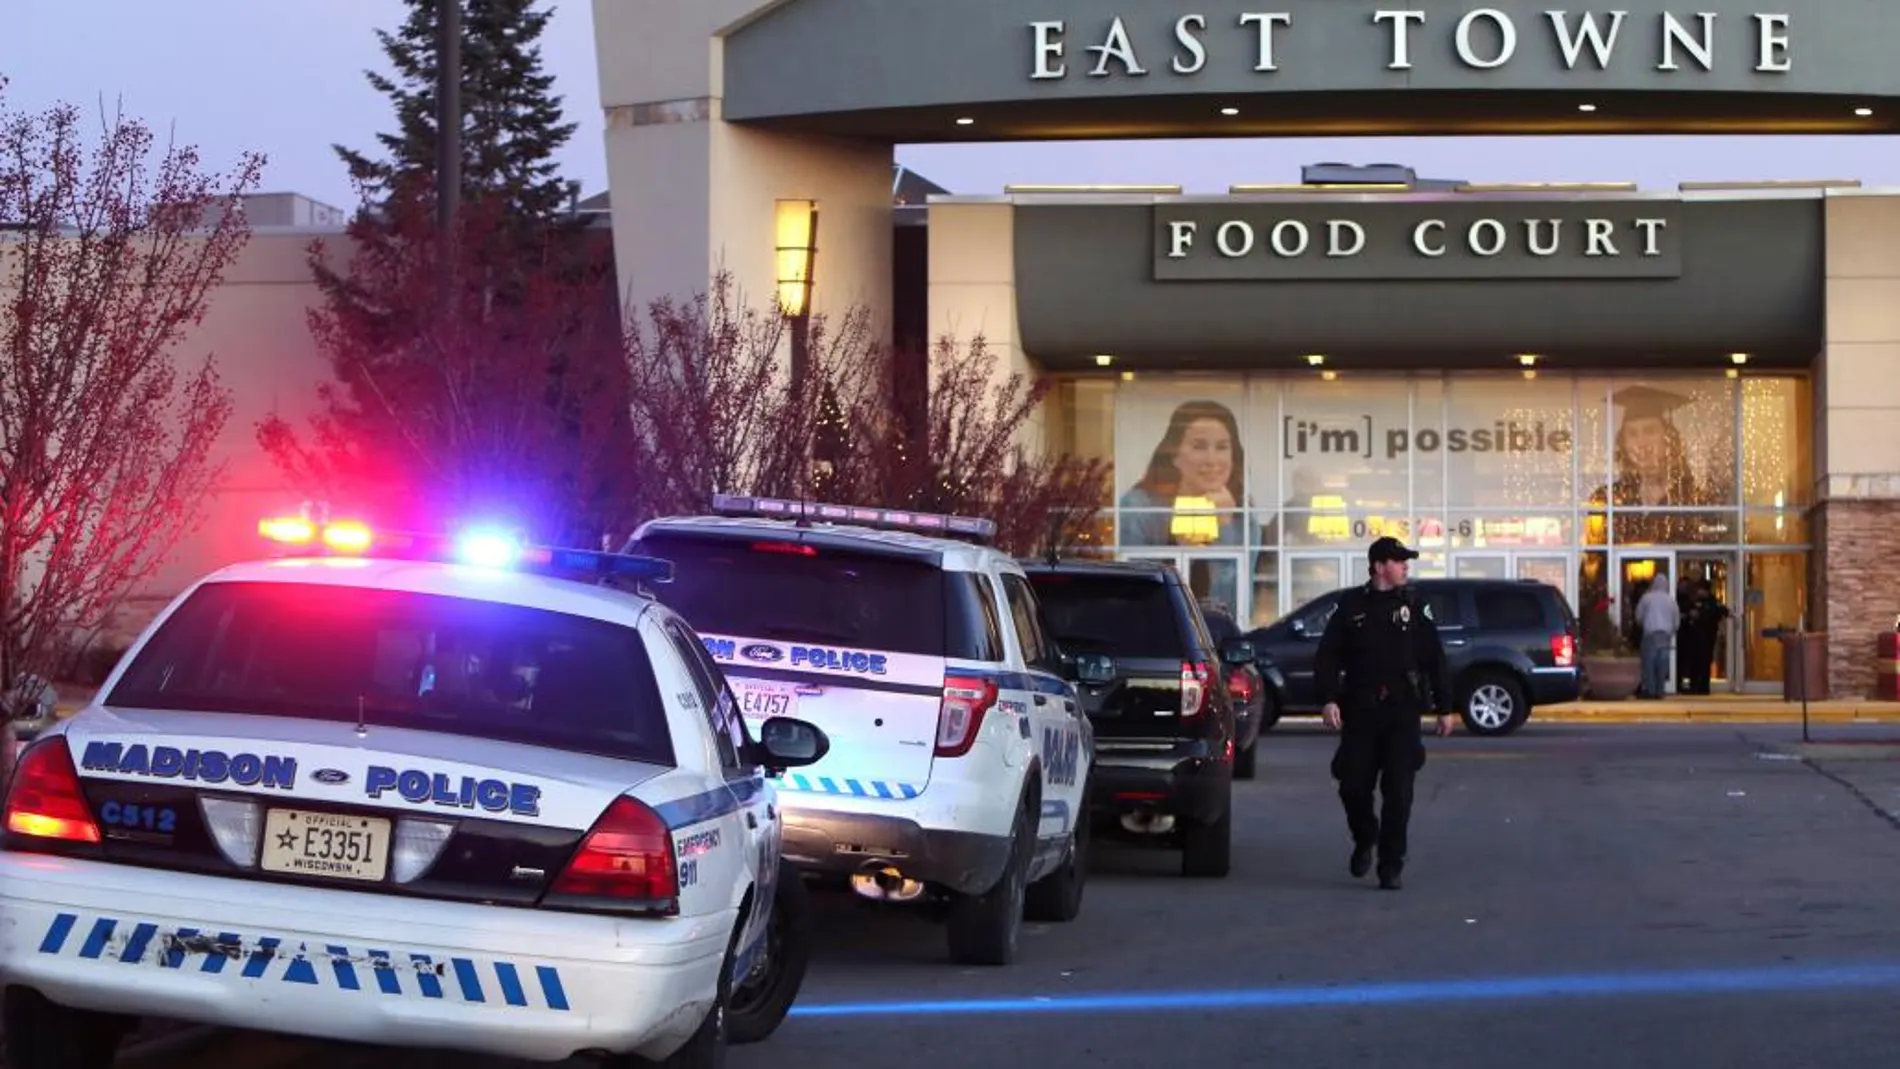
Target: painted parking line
{"type": "Point", "coordinates": [1434, 992]}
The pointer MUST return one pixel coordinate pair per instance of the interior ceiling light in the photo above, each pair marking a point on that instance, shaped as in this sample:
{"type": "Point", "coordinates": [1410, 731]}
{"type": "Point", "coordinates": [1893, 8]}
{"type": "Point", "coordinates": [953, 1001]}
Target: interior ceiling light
{"type": "Point", "coordinates": [1314, 359]}
{"type": "Point", "coordinates": [1738, 358]}
{"type": "Point", "coordinates": [1230, 111]}
{"type": "Point", "coordinates": [1527, 359]}
{"type": "Point", "coordinates": [966, 121]}
{"type": "Point", "coordinates": [1863, 112]}
{"type": "Point", "coordinates": [1103, 359]}
{"type": "Point", "coordinates": [1586, 107]}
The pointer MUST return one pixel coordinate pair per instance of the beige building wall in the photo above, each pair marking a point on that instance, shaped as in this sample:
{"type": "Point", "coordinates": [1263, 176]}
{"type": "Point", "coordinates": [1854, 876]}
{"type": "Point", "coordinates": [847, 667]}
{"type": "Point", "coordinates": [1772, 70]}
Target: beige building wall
{"type": "Point", "coordinates": [1857, 397]}
{"type": "Point", "coordinates": [973, 283]}
{"type": "Point", "coordinates": [693, 195]}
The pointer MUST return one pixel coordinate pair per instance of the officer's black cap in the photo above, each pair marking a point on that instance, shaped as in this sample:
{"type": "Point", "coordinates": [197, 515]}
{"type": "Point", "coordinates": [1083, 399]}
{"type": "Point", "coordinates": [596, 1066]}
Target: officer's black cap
{"type": "Point", "coordinates": [1389, 549]}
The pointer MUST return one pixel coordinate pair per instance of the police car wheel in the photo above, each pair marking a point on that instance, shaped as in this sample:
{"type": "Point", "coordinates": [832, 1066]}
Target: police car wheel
{"type": "Point", "coordinates": [706, 1049]}
{"type": "Point", "coordinates": [41, 1034]}
{"type": "Point", "coordinates": [1057, 897]}
{"type": "Point", "coordinates": [983, 929]}
{"type": "Point", "coordinates": [761, 999]}
{"type": "Point", "coordinates": [1207, 849]}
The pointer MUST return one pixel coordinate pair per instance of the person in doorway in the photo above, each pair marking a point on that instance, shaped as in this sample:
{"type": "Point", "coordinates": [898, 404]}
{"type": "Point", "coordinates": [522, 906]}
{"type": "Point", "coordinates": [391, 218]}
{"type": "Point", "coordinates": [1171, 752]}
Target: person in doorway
{"type": "Point", "coordinates": [1657, 618]}
{"type": "Point", "coordinates": [1701, 626]}
{"type": "Point", "coordinates": [1380, 668]}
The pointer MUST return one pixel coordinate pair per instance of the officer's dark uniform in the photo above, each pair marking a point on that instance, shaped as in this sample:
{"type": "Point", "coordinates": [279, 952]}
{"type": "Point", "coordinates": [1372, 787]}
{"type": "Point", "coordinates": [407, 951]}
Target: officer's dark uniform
{"type": "Point", "coordinates": [1381, 661]}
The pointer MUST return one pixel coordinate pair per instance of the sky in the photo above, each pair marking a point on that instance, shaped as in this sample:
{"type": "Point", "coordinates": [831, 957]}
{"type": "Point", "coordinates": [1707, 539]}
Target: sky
{"type": "Point", "coordinates": [286, 78]}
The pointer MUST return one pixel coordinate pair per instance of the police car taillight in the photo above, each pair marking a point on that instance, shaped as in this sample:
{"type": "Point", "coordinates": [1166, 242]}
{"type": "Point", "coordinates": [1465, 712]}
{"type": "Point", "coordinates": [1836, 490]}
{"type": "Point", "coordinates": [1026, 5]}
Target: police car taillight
{"type": "Point", "coordinates": [965, 700]}
{"type": "Point", "coordinates": [627, 859]}
{"type": "Point", "coordinates": [45, 801]}
{"type": "Point", "coordinates": [1195, 676]}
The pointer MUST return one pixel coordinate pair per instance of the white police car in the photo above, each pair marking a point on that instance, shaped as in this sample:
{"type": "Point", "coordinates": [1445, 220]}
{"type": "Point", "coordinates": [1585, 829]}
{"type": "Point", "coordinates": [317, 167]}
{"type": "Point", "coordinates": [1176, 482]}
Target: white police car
{"type": "Point", "coordinates": [379, 795]}
{"type": "Point", "coordinates": [959, 753]}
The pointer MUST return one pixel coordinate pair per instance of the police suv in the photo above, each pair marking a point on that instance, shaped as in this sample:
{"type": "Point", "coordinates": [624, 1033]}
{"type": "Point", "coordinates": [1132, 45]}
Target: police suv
{"type": "Point", "coordinates": [409, 791]}
{"type": "Point", "coordinates": [959, 755]}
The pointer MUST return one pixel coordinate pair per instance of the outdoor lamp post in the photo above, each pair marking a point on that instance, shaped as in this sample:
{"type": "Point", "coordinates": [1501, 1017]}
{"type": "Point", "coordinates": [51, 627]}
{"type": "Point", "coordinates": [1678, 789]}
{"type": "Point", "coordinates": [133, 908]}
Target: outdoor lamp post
{"type": "Point", "coordinates": [797, 234]}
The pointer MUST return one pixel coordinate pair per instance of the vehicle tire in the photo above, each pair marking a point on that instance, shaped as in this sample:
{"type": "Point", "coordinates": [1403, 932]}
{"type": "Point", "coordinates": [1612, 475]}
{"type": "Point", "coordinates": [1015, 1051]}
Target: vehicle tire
{"type": "Point", "coordinates": [759, 1001]}
{"type": "Point", "coordinates": [1494, 703]}
{"type": "Point", "coordinates": [1057, 897]}
{"type": "Point", "coordinates": [984, 929]}
{"type": "Point", "coordinates": [42, 1034]}
{"type": "Point", "coordinates": [706, 1048]}
{"type": "Point", "coordinates": [1244, 761]}
{"type": "Point", "coordinates": [1207, 849]}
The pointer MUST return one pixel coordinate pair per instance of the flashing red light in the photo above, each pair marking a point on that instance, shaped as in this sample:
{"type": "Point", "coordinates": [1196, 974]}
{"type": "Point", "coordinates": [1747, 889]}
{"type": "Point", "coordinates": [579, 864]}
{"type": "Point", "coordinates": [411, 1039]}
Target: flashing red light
{"type": "Point", "coordinates": [45, 801]}
{"type": "Point", "coordinates": [790, 548]}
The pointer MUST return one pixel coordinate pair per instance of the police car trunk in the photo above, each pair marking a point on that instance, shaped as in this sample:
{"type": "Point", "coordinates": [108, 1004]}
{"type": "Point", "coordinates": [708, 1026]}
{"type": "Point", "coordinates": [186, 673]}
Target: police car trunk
{"type": "Point", "coordinates": [397, 741]}
{"type": "Point", "coordinates": [859, 633]}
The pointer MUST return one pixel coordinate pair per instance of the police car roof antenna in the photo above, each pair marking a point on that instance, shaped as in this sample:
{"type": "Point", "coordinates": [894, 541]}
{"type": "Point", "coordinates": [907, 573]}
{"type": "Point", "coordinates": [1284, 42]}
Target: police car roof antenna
{"type": "Point", "coordinates": [362, 729]}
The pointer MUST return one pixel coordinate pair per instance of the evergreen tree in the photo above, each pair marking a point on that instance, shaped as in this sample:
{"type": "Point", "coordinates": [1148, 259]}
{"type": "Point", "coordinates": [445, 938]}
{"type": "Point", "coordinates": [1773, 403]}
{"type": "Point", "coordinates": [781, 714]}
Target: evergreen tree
{"type": "Point", "coordinates": [511, 118]}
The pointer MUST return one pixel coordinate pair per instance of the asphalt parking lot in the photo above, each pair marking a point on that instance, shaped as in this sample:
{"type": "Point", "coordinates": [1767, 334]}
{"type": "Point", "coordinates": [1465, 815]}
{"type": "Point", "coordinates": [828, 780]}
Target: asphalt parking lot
{"type": "Point", "coordinates": [1577, 896]}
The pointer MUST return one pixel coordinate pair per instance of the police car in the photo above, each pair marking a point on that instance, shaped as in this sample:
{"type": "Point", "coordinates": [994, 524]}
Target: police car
{"type": "Point", "coordinates": [460, 794]}
{"type": "Point", "coordinates": [959, 752]}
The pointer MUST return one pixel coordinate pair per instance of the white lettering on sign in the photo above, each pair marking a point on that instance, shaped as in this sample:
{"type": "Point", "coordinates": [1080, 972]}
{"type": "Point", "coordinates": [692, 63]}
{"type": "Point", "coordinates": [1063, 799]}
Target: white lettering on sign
{"type": "Point", "coordinates": [1486, 238]}
{"type": "Point", "coordinates": [1480, 39]}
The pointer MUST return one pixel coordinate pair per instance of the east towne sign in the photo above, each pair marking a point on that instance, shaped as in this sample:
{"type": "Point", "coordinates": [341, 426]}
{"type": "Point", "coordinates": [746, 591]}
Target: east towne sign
{"type": "Point", "coordinates": [935, 70]}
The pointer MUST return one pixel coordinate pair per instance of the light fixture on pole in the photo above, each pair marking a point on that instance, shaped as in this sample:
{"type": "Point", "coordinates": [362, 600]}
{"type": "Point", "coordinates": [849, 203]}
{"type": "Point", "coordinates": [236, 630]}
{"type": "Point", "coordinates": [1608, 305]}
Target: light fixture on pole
{"type": "Point", "coordinates": [796, 229]}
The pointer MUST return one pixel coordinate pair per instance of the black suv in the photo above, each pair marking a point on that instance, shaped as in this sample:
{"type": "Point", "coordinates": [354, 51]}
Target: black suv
{"type": "Point", "coordinates": [1154, 685]}
{"type": "Point", "coordinates": [1510, 645]}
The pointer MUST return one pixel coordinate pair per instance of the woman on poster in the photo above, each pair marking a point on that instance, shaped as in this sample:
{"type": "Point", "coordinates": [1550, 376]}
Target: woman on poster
{"type": "Point", "coordinates": [1199, 464]}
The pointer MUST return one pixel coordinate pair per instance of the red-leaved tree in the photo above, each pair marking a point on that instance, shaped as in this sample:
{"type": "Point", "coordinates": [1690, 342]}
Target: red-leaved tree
{"type": "Point", "coordinates": [109, 252]}
{"type": "Point", "coordinates": [482, 382]}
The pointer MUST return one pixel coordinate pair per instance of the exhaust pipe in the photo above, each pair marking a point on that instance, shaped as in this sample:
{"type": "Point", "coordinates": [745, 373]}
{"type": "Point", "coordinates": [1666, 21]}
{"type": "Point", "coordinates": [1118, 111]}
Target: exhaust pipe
{"type": "Point", "coordinates": [1148, 822]}
{"type": "Point", "coordinates": [883, 883]}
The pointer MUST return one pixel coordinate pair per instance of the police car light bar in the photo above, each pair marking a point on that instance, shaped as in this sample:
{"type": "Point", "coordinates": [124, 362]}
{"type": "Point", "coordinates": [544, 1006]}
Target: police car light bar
{"type": "Point", "coordinates": [973, 527]}
{"type": "Point", "coordinates": [482, 548]}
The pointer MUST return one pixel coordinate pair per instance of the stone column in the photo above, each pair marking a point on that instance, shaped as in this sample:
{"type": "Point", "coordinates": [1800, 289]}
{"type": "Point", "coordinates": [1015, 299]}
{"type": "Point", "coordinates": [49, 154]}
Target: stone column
{"type": "Point", "coordinates": [1857, 462]}
{"type": "Point", "coordinates": [973, 284]}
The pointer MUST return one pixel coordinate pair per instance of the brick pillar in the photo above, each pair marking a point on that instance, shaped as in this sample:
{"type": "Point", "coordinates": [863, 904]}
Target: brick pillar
{"type": "Point", "coordinates": [1857, 402]}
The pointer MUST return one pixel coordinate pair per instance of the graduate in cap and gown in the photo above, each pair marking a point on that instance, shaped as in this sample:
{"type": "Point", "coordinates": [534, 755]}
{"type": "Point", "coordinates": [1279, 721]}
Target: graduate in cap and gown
{"type": "Point", "coordinates": [1652, 469]}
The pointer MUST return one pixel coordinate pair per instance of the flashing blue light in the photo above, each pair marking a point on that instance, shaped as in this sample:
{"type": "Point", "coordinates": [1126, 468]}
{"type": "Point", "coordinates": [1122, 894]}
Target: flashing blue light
{"type": "Point", "coordinates": [488, 549]}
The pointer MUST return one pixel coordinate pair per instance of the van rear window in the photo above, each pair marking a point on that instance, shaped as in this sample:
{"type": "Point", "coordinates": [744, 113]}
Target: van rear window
{"type": "Point", "coordinates": [774, 590]}
{"type": "Point", "coordinates": [1110, 615]}
{"type": "Point", "coordinates": [426, 662]}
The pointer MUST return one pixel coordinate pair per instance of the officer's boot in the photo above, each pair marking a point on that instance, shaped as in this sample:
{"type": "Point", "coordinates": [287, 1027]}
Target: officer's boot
{"type": "Point", "coordinates": [1361, 862]}
{"type": "Point", "coordinates": [1389, 875]}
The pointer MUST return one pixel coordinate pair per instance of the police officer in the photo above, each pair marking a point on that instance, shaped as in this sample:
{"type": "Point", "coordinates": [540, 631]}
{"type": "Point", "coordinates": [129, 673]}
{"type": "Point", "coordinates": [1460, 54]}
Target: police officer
{"type": "Point", "coordinates": [1380, 667]}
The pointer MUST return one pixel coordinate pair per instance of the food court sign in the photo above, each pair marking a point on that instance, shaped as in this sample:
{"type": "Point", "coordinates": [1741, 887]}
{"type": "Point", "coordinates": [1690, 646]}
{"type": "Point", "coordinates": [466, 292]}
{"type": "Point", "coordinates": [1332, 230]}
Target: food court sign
{"type": "Point", "coordinates": [1319, 238]}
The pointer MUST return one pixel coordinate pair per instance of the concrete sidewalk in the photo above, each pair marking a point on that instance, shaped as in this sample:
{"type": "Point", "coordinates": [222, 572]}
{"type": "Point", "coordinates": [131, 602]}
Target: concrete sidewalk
{"type": "Point", "coordinates": [1719, 709]}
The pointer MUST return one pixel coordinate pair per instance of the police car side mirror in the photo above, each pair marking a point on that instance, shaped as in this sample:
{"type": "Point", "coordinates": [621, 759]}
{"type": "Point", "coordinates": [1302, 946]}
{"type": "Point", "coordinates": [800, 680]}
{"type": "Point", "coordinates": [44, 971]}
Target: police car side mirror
{"type": "Point", "coordinates": [1237, 651]}
{"type": "Point", "coordinates": [1094, 668]}
{"type": "Point", "coordinates": [791, 743]}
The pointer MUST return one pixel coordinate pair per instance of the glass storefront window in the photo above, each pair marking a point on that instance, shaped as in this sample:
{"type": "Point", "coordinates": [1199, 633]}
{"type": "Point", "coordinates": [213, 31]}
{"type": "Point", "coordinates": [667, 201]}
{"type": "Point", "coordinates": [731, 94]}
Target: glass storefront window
{"type": "Point", "coordinates": [1508, 442]}
{"type": "Point", "coordinates": [1272, 483]}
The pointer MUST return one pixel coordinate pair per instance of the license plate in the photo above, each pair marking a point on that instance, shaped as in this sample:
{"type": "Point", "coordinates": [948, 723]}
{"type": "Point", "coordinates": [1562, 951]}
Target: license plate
{"type": "Point", "coordinates": [759, 702]}
{"type": "Point", "coordinates": [301, 843]}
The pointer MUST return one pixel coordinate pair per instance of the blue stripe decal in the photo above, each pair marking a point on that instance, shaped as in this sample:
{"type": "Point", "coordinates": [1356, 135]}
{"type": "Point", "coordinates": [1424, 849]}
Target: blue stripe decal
{"type": "Point", "coordinates": [300, 970]}
{"type": "Point", "coordinates": [1035, 682]}
{"type": "Point", "coordinates": [510, 984]}
{"type": "Point", "coordinates": [57, 932]}
{"type": "Point", "coordinates": [302, 963]}
{"type": "Point", "coordinates": [471, 983]}
{"type": "Point", "coordinates": [141, 939]}
{"type": "Point", "coordinates": [426, 978]}
{"type": "Point", "coordinates": [710, 805]}
{"type": "Point", "coordinates": [883, 791]}
{"type": "Point", "coordinates": [96, 939]}
{"type": "Point", "coordinates": [344, 968]}
{"type": "Point", "coordinates": [385, 971]}
{"type": "Point", "coordinates": [260, 958]}
{"type": "Point", "coordinates": [174, 955]}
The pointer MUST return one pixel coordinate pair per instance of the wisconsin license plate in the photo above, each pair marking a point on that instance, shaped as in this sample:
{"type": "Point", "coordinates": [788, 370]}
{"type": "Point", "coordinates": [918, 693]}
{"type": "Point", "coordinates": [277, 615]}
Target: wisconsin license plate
{"type": "Point", "coordinates": [302, 843]}
{"type": "Point", "coordinates": [762, 701]}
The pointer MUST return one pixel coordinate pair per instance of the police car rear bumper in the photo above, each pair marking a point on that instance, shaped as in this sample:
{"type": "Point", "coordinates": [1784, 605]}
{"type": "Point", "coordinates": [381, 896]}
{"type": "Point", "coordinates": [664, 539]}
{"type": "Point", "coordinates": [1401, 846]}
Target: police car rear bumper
{"type": "Point", "coordinates": [843, 843]}
{"type": "Point", "coordinates": [351, 966]}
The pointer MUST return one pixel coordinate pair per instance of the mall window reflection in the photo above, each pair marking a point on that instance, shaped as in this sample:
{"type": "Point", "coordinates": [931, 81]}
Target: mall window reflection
{"type": "Point", "coordinates": [1284, 478]}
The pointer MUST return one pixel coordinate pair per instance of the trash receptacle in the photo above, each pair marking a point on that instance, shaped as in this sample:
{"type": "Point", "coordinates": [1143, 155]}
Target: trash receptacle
{"type": "Point", "coordinates": [1887, 668]}
{"type": "Point", "coordinates": [1804, 666]}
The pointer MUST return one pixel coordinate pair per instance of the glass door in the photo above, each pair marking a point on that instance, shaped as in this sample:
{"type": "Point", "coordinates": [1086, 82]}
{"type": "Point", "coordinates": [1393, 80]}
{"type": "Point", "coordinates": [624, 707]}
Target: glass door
{"type": "Point", "coordinates": [1707, 644]}
{"type": "Point", "coordinates": [1636, 572]}
{"type": "Point", "coordinates": [1553, 568]}
{"type": "Point", "coordinates": [1481, 566]}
